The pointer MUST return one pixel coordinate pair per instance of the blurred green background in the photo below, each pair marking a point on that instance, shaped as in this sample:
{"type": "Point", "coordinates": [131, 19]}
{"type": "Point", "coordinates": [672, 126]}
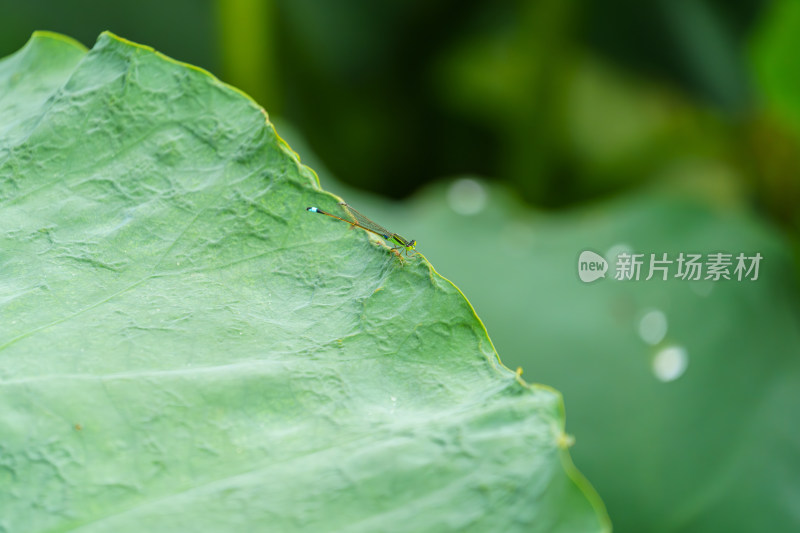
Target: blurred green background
{"type": "Point", "coordinates": [507, 138]}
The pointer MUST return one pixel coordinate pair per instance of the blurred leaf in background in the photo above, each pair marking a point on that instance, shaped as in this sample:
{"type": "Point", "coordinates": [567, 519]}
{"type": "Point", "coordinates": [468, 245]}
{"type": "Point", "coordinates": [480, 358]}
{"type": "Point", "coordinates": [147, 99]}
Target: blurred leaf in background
{"type": "Point", "coordinates": [775, 134]}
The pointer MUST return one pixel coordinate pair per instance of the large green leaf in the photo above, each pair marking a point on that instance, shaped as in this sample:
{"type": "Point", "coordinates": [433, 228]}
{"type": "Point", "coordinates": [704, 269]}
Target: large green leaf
{"type": "Point", "coordinates": [184, 347]}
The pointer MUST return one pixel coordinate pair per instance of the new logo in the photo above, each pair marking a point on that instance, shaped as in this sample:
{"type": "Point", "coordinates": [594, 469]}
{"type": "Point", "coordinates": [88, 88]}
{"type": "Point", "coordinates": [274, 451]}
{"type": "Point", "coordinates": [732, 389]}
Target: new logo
{"type": "Point", "coordinates": [591, 266]}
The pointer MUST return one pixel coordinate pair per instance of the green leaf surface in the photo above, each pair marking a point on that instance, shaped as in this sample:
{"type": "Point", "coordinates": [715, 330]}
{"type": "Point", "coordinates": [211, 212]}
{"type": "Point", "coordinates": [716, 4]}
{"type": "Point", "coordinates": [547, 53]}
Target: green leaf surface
{"type": "Point", "coordinates": [184, 347]}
